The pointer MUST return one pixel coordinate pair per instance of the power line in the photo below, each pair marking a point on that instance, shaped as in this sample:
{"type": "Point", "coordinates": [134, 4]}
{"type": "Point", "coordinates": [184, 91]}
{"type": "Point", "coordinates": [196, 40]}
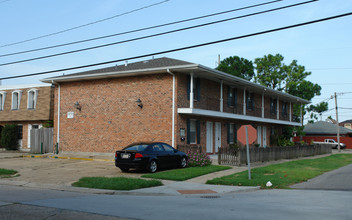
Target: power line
{"type": "Point", "coordinates": [84, 25]}
{"type": "Point", "coordinates": [155, 35]}
{"type": "Point", "coordinates": [183, 48]}
{"type": "Point", "coordinates": [141, 29]}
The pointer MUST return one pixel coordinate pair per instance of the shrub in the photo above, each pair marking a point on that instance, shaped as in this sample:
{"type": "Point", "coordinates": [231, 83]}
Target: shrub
{"type": "Point", "coordinates": [197, 159]}
{"type": "Point", "coordinates": [9, 137]}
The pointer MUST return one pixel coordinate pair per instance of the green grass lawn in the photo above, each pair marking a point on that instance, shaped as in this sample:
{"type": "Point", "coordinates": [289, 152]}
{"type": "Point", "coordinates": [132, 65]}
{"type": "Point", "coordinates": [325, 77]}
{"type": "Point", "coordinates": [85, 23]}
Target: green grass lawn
{"type": "Point", "coordinates": [6, 173]}
{"type": "Point", "coordinates": [285, 174]}
{"type": "Point", "coordinates": [116, 183]}
{"type": "Point", "coordinates": [186, 173]}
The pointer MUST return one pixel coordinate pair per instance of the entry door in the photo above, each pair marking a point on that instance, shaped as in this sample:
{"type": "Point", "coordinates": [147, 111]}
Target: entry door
{"type": "Point", "coordinates": [264, 136]}
{"type": "Point", "coordinates": [209, 137]}
{"type": "Point", "coordinates": [259, 135]}
{"type": "Point", "coordinates": [217, 136]}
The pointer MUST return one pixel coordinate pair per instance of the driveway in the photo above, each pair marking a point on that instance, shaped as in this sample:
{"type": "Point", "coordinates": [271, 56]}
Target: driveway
{"type": "Point", "coordinates": [340, 179]}
{"type": "Point", "coordinates": [63, 172]}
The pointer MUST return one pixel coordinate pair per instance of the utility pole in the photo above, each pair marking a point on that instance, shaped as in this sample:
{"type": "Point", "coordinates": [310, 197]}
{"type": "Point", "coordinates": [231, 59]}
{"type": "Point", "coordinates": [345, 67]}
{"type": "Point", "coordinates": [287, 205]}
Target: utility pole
{"type": "Point", "coordinates": [337, 125]}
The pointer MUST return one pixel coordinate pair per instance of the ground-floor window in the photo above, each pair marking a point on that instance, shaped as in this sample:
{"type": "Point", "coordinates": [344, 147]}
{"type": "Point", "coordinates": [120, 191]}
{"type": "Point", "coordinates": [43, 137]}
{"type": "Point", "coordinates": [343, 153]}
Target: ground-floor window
{"type": "Point", "coordinates": [193, 131]}
{"type": "Point", "coordinates": [231, 133]}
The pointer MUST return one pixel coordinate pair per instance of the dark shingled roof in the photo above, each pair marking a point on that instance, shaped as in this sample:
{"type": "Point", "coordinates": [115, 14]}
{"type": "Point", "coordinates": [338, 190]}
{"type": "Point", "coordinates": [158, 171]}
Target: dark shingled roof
{"type": "Point", "coordinates": [323, 127]}
{"type": "Point", "coordinates": [146, 64]}
{"type": "Point", "coordinates": [347, 121]}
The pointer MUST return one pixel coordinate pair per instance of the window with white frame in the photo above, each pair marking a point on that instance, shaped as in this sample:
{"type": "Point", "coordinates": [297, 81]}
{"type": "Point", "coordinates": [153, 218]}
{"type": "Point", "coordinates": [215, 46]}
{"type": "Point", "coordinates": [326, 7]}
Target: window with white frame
{"type": "Point", "coordinates": [16, 100]}
{"type": "Point", "coordinates": [2, 100]}
{"type": "Point", "coordinates": [32, 98]}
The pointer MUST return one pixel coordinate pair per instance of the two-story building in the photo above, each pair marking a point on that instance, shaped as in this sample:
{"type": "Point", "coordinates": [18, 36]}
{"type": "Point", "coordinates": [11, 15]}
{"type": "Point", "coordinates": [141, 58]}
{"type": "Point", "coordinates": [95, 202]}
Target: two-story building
{"type": "Point", "coordinates": [28, 106]}
{"type": "Point", "coordinates": [169, 100]}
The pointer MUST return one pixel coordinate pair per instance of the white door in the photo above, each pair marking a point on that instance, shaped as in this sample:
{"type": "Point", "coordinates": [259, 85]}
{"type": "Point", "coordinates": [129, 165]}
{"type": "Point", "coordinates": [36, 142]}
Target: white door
{"type": "Point", "coordinates": [217, 136]}
{"type": "Point", "coordinates": [209, 137]}
{"type": "Point", "coordinates": [259, 135]}
{"type": "Point", "coordinates": [264, 136]}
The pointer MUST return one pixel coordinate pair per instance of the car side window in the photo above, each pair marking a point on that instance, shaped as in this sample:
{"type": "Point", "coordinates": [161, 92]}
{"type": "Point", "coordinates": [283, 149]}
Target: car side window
{"type": "Point", "coordinates": [168, 148]}
{"type": "Point", "coordinates": [157, 148]}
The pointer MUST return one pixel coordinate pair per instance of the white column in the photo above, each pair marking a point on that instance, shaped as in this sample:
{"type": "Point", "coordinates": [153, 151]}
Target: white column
{"type": "Point", "coordinates": [191, 95]}
{"type": "Point", "coordinates": [244, 101]}
{"type": "Point", "coordinates": [278, 109]}
{"type": "Point", "coordinates": [290, 111]}
{"type": "Point", "coordinates": [221, 97]}
{"type": "Point", "coordinates": [263, 105]}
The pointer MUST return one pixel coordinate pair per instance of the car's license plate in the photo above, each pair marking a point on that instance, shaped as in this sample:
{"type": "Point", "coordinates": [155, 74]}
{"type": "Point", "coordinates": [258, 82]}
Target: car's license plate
{"type": "Point", "coordinates": [125, 156]}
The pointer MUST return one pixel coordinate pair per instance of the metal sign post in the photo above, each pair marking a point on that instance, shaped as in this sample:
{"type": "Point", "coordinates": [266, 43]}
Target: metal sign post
{"type": "Point", "coordinates": [248, 160]}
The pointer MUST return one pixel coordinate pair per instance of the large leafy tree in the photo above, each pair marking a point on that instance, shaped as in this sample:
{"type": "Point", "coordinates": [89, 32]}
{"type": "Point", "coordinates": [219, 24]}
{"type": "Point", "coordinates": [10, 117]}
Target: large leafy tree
{"type": "Point", "coordinates": [315, 110]}
{"type": "Point", "coordinates": [237, 66]}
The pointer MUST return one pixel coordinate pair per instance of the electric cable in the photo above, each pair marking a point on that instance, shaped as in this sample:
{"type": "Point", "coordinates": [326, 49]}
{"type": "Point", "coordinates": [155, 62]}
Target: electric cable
{"type": "Point", "coordinates": [155, 35]}
{"type": "Point", "coordinates": [84, 25]}
{"type": "Point", "coordinates": [184, 48]}
{"type": "Point", "coordinates": [138, 30]}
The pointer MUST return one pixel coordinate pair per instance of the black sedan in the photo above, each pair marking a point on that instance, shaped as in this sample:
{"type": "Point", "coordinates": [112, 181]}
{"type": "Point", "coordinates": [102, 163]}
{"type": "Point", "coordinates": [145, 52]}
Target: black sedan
{"type": "Point", "coordinates": [149, 156]}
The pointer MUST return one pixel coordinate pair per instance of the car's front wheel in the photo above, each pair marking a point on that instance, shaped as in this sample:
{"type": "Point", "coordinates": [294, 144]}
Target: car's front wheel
{"type": "Point", "coordinates": [153, 166]}
{"type": "Point", "coordinates": [183, 162]}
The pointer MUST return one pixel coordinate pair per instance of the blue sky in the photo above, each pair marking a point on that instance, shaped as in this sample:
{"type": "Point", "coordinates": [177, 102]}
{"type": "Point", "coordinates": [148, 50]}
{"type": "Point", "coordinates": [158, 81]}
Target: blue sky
{"type": "Point", "coordinates": [323, 48]}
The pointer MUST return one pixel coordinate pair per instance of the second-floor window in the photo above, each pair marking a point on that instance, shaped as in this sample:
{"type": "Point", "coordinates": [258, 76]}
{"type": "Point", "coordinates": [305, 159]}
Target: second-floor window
{"type": "Point", "coordinates": [284, 108]}
{"type": "Point", "coordinates": [16, 100]}
{"type": "Point", "coordinates": [2, 100]}
{"type": "Point", "coordinates": [273, 106]}
{"type": "Point", "coordinates": [250, 100]}
{"type": "Point", "coordinates": [32, 98]}
{"type": "Point", "coordinates": [231, 97]}
{"type": "Point", "coordinates": [196, 88]}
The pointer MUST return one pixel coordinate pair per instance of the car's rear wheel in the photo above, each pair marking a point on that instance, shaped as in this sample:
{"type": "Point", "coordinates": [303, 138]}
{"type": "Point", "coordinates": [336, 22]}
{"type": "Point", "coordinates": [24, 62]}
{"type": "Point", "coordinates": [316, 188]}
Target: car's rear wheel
{"type": "Point", "coordinates": [183, 162]}
{"type": "Point", "coordinates": [124, 169]}
{"type": "Point", "coordinates": [153, 166]}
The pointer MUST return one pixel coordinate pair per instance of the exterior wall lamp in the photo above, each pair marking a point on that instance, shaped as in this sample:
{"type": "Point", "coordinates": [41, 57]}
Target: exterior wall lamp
{"type": "Point", "coordinates": [139, 103]}
{"type": "Point", "coordinates": [77, 106]}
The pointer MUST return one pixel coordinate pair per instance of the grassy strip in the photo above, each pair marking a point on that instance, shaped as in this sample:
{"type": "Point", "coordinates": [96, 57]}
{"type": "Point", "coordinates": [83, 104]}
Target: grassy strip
{"type": "Point", "coordinates": [115, 183]}
{"type": "Point", "coordinates": [186, 173]}
{"type": "Point", "coordinates": [5, 172]}
{"type": "Point", "coordinates": [285, 174]}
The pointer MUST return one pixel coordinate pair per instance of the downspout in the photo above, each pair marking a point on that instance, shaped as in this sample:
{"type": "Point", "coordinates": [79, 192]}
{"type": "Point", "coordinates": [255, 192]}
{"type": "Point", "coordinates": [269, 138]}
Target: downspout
{"type": "Point", "coordinates": [173, 106]}
{"type": "Point", "coordinates": [58, 114]}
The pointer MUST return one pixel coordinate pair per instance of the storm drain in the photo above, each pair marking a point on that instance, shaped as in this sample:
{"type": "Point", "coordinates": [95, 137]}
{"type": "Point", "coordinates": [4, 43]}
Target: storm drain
{"type": "Point", "coordinates": [210, 197]}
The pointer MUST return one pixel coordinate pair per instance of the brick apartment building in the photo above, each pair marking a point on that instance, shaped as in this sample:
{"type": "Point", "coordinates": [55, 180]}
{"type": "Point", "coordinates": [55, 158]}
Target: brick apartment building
{"type": "Point", "coordinates": [27, 106]}
{"type": "Point", "coordinates": [169, 100]}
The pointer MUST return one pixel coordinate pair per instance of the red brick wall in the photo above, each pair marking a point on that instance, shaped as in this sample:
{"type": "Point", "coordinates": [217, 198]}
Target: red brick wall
{"type": "Point", "coordinates": [110, 118]}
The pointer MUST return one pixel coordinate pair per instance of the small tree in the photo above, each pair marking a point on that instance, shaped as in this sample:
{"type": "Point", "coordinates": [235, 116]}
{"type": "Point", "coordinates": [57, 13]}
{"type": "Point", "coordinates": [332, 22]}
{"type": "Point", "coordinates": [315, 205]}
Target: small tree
{"type": "Point", "coordinates": [9, 137]}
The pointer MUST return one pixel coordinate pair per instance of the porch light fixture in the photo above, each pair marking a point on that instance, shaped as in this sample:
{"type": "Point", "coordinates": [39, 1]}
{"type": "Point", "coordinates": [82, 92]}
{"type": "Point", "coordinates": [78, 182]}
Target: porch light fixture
{"type": "Point", "coordinates": [77, 106]}
{"type": "Point", "coordinates": [139, 103]}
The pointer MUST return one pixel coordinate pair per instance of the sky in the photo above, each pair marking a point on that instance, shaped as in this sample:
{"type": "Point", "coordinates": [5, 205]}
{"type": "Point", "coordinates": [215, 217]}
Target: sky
{"type": "Point", "coordinates": [323, 48]}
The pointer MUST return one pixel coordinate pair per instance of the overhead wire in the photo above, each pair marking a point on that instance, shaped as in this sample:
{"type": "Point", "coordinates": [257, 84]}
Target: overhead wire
{"type": "Point", "coordinates": [184, 48]}
{"type": "Point", "coordinates": [158, 34]}
{"type": "Point", "coordinates": [140, 29]}
{"type": "Point", "coordinates": [84, 25]}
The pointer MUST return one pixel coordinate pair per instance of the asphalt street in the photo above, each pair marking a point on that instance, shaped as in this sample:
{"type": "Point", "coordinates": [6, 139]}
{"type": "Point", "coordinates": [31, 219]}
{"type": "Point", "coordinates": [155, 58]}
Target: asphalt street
{"type": "Point", "coordinates": [340, 179]}
{"type": "Point", "coordinates": [263, 204]}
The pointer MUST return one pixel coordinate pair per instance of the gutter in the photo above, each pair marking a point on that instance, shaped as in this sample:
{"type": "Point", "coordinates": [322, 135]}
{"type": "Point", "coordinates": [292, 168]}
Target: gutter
{"type": "Point", "coordinates": [173, 106]}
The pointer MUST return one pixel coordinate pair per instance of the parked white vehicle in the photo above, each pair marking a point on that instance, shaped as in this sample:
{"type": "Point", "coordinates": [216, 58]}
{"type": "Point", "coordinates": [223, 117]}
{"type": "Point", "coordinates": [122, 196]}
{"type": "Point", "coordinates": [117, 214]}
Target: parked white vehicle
{"type": "Point", "coordinates": [331, 142]}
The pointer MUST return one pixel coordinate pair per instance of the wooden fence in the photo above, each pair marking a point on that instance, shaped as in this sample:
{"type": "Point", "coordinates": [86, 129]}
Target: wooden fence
{"type": "Point", "coordinates": [237, 157]}
{"type": "Point", "coordinates": [41, 140]}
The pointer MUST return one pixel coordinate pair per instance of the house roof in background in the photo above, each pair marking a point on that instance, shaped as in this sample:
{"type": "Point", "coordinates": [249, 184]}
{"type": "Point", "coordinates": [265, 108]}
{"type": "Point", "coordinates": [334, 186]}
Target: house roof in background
{"type": "Point", "coordinates": [164, 64]}
{"type": "Point", "coordinates": [323, 127]}
{"type": "Point", "coordinates": [347, 121]}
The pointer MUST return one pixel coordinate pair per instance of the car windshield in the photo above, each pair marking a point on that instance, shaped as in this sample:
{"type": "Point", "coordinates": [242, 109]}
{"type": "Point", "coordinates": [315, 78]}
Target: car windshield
{"type": "Point", "coordinates": [137, 147]}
